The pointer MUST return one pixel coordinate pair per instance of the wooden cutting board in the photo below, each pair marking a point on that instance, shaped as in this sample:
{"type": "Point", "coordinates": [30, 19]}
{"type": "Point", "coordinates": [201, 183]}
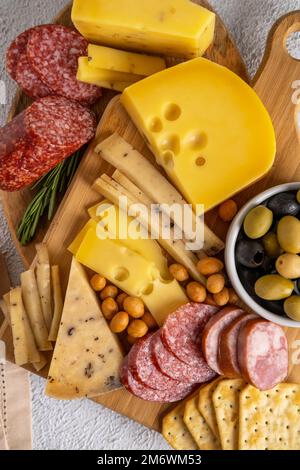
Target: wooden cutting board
{"type": "Point", "coordinates": [273, 83]}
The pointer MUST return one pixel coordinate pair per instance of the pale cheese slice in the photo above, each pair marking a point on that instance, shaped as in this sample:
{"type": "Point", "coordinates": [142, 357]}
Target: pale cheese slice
{"type": "Point", "coordinates": [17, 315]}
{"type": "Point", "coordinates": [87, 356]}
{"type": "Point", "coordinates": [43, 278]}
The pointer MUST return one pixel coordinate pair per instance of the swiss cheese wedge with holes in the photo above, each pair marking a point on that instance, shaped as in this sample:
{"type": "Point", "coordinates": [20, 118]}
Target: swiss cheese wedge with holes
{"type": "Point", "coordinates": [206, 127]}
{"type": "Point", "coordinates": [87, 356]}
{"type": "Point", "coordinates": [226, 398]}
{"type": "Point", "coordinates": [270, 420]}
{"type": "Point", "coordinates": [175, 431]}
{"type": "Point", "coordinates": [198, 427]}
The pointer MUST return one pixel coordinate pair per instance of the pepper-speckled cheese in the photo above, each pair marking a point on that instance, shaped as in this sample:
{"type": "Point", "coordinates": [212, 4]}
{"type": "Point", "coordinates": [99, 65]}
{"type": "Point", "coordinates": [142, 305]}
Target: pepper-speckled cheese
{"type": "Point", "coordinates": [87, 355]}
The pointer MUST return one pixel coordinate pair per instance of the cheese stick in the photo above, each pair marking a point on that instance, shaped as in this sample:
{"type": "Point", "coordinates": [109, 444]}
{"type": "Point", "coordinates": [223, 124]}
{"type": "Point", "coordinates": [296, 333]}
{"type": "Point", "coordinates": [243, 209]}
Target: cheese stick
{"type": "Point", "coordinates": [34, 310]}
{"type": "Point", "coordinates": [116, 151]}
{"type": "Point", "coordinates": [43, 277]}
{"type": "Point", "coordinates": [17, 314]}
{"type": "Point", "coordinates": [176, 249]}
{"type": "Point", "coordinates": [58, 303]}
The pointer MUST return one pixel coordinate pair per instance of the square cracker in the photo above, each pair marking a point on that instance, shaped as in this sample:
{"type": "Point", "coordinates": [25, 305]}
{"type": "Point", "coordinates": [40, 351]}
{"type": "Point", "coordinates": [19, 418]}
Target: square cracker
{"type": "Point", "coordinates": [175, 431]}
{"type": "Point", "coordinates": [226, 399]}
{"type": "Point", "coordinates": [206, 407]}
{"type": "Point", "coordinates": [270, 420]}
{"type": "Point", "coordinates": [198, 427]}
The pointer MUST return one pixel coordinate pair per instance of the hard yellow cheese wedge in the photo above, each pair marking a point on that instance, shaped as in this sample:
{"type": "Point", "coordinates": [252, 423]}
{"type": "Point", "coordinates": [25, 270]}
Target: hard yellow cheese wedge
{"type": "Point", "coordinates": [107, 58]}
{"type": "Point", "coordinates": [103, 78]}
{"type": "Point", "coordinates": [87, 355]}
{"type": "Point", "coordinates": [206, 127]}
{"type": "Point", "coordinates": [171, 27]}
{"type": "Point", "coordinates": [132, 273]}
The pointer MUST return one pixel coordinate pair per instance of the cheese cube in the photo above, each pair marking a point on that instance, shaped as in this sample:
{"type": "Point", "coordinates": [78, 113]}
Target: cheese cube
{"type": "Point", "coordinates": [206, 127]}
{"type": "Point", "coordinates": [107, 58]}
{"type": "Point", "coordinates": [103, 78]}
{"type": "Point", "coordinates": [87, 356]}
{"type": "Point", "coordinates": [173, 27]}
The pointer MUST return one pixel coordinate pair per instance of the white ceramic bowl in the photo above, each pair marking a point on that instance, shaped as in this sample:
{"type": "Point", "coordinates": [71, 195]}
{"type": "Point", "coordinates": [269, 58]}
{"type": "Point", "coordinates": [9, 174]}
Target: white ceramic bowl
{"type": "Point", "coordinates": [230, 255]}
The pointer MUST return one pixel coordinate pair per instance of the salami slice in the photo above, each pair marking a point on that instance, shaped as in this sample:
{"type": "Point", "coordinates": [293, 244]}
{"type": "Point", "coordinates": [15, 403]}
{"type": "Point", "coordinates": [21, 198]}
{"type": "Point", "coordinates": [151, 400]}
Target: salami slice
{"type": "Point", "coordinates": [181, 333]}
{"type": "Point", "coordinates": [149, 394]}
{"type": "Point", "coordinates": [15, 51]}
{"type": "Point", "coordinates": [29, 81]}
{"type": "Point", "coordinates": [11, 134]}
{"type": "Point", "coordinates": [176, 369]}
{"type": "Point", "coordinates": [227, 355]}
{"type": "Point", "coordinates": [212, 332]}
{"type": "Point", "coordinates": [263, 354]}
{"type": "Point", "coordinates": [144, 369]}
{"type": "Point", "coordinates": [53, 52]}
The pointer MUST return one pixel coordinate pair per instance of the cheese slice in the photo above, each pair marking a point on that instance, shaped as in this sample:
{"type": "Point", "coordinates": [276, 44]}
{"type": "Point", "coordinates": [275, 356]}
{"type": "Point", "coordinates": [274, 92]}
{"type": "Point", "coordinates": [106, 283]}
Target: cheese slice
{"type": "Point", "coordinates": [146, 247]}
{"type": "Point", "coordinates": [107, 58]}
{"type": "Point", "coordinates": [107, 75]}
{"type": "Point", "coordinates": [17, 316]}
{"type": "Point", "coordinates": [100, 78]}
{"type": "Point", "coordinates": [43, 278]}
{"type": "Point", "coordinates": [170, 27]}
{"type": "Point", "coordinates": [87, 355]}
{"type": "Point", "coordinates": [132, 273]}
{"type": "Point", "coordinates": [206, 127]}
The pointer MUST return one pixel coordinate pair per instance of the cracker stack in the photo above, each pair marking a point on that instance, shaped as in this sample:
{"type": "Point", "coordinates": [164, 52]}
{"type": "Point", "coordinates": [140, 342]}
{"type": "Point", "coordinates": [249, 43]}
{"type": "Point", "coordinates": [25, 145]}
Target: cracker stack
{"type": "Point", "coordinates": [231, 415]}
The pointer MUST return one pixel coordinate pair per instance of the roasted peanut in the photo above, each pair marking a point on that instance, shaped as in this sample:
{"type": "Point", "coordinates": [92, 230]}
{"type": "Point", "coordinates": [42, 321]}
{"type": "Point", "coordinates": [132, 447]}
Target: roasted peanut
{"type": "Point", "coordinates": [228, 210]}
{"type": "Point", "coordinates": [233, 298]}
{"type": "Point", "coordinates": [109, 291]}
{"type": "Point", "coordinates": [196, 292]}
{"type": "Point", "coordinates": [137, 329]}
{"type": "Point", "coordinates": [109, 308]}
{"type": "Point", "coordinates": [209, 266]}
{"type": "Point", "coordinates": [179, 272]}
{"type": "Point", "coordinates": [134, 306]}
{"type": "Point", "coordinates": [215, 283]}
{"type": "Point", "coordinates": [98, 282]}
{"type": "Point", "coordinates": [209, 300]}
{"type": "Point", "coordinates": [120, 300]}
{"type": "Point", "coordinates": [120, 322]}
{"type": "Point", "coordinates": [222, 298]}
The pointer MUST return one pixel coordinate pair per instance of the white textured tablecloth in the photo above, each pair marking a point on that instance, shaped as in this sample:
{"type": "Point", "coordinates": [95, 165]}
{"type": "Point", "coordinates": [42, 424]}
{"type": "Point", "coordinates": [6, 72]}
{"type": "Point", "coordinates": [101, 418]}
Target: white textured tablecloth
{"type": "Point", "coordinates": [83, 424]}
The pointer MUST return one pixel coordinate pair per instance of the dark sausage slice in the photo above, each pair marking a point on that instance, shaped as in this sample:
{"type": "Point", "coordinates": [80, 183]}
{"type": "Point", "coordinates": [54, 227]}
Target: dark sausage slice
{"type": "Point", "coordinates": [263, 354]}
{"type": "Point", "coordinates": [227, 355]}
{"type": "Point", "coordinates": [181, 333]}
{"type": "Point", "coordinates": [148, 394]}
{"type": "Point", "coordinates": [212, 332]}
{"type": "Point", "coordinates": [171, 366]}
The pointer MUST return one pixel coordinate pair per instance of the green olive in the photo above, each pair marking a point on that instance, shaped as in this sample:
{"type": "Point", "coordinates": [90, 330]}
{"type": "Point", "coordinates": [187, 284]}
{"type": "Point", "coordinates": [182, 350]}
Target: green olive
{"type": "Point", "coordinates": [288, 234]}
{"type": "Point", "coordinates": [258, 222]}
{"type": "Point", "coordinates": [288, 265]}
{"type": "Point", "coordinates": [271, 245]}
{"type": "Point", "coordinates": [273, 287]}
{"type": "Point", "coordinates": [292, 307]}
{"type": "Point", "coordinates": [298, 196]}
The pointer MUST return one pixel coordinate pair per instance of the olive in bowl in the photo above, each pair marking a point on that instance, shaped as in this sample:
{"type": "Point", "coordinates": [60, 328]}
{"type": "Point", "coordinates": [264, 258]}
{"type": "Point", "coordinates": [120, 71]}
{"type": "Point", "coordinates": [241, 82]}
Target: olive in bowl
{"type": "Point", "coordinates": [262, 254]}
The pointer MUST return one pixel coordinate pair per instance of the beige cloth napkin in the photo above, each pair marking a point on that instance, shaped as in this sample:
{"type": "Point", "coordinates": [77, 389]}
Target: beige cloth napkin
{"type": "Point", "coordinates": [15, 406]}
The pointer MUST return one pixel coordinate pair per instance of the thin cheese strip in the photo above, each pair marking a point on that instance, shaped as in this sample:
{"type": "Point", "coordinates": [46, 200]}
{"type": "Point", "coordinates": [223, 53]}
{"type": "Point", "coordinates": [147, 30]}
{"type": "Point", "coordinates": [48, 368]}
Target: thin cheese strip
{"type": "Point", "coordinates": [34, 310]}
{"type": "Point", "coordinates": [43, 277]}
{"type": "Point", "coordinates": [87, 356]}
{"type": "Point", "coordinates": [58, 303]}
{"type": "Point", "coordinates": [116, 151]}
{"type": "Point", "coordinates": [17, 314]}
{"type": "Point", "coordinates": [175, 248]}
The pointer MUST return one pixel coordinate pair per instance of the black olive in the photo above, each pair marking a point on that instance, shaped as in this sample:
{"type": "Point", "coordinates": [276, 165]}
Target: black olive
{"type": "Point", "coordinates": [269, 265]}
{"type": "Point", "coordinates": [284, 204]}
{"type": "Point", "coordinates": [250, 253]}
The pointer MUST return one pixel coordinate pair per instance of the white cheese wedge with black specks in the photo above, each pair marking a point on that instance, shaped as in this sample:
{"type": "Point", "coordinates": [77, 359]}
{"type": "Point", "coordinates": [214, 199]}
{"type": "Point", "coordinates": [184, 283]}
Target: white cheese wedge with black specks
{"type": "Point", "coordinates": [87, 355]}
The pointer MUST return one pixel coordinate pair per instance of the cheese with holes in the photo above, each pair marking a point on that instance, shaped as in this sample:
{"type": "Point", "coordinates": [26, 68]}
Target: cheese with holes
{"type": "Point", "coordinates": [132, 273]}
{"type": "Point", "coordinates": [107, 58]}
{"type": "Point", "coordinates": [102, 78]}
{"type": "Point", "coordinates": [206, 127]}
{"type": "Point", "coordinates": [172, 27]}
{"type": "Point", "coordinates": [87, 355]}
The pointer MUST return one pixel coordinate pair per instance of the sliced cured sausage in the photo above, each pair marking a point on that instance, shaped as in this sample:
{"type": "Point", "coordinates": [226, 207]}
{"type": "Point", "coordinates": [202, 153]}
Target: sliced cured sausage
{"type": "Point", "coordinates": [181, 333]}
{"type": "Point", "coordinates": [212, 332]}
{"type": "Point", "coordinates": [171, 366]}
{"type": "Point", "coordinates": [15, 51]}
{"type": "Point", "coordinates": [228, 345]}
{"type": "Point", "coordinates": [149, 394]}
{"type": "Point", "coordinates": [29, 81]}
{"type": "Point", "coordinates": [50, 130]}
{"type": "Point", "coordinates": [53, 52]}
{"type": "Point", "coordinates": [144, 370]}
{"type": "Point", "coordinates": [263, 354]}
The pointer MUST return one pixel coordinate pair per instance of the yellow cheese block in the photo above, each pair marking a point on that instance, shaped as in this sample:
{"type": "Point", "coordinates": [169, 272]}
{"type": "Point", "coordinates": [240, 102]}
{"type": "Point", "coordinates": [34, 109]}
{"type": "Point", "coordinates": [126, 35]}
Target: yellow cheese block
{"type": "Point", "coordinates": [132, 273]}
{"type": "Point", "coordinates": [145, 247]}
{"type": "Point", "coordinates": [170, 27]}
{"type": "Point", "coordinates": [101, 78]}
{"type": "Point", "coordinates": [108, 58]}
{"type": "Point", "coordinates": [206, 127]}
{"type": "Point", "coordinates": [106, 75]}
{"type": "Point", "coordinates": [87, 356]}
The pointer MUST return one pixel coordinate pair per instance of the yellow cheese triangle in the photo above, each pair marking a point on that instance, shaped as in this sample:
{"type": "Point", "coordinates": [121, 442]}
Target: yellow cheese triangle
{"type": "Point", "coordinates": [87, 355]}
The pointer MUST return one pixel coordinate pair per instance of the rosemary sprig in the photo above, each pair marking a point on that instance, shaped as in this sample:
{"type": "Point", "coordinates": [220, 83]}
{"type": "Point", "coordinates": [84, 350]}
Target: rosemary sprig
{"type": "Point", "coordinates": [48, 189]}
